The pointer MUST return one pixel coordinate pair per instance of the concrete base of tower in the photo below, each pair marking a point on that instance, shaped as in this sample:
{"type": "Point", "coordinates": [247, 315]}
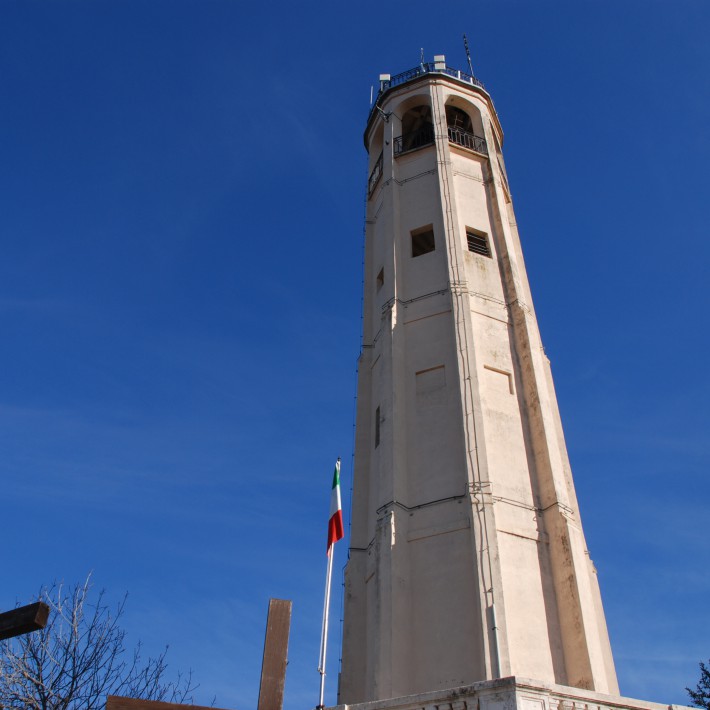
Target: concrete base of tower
{"type": "Point", "coordinates": [511, 694]}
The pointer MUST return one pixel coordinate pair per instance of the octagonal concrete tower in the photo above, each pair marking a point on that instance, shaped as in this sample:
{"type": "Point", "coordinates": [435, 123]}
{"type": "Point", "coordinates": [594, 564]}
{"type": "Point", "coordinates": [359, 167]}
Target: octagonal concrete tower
{"type": "Point", "coordinates": [467, 560]}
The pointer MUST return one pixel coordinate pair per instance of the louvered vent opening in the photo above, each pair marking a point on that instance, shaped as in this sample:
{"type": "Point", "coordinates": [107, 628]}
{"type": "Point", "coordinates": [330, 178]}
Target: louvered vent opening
{"type": "Point", "coordinates": [478, 243]}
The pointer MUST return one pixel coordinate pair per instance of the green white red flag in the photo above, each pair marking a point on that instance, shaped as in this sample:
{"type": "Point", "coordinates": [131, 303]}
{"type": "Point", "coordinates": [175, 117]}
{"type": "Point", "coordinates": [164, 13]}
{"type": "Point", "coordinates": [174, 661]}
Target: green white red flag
{"type": "Point", "coordinates": [335, 523]}
{"type": "Point", "coordinates": [335, 533]}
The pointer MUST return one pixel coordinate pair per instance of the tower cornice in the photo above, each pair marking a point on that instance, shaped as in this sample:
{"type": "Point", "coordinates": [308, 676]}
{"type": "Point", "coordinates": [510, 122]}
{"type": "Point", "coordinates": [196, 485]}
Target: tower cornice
{"type": "Point", "coordinates": [419, 75]}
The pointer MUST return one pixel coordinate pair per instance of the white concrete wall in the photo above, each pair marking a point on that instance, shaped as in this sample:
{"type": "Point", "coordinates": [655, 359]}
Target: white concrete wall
{"type": "Point", "coordinates": [465, 510]}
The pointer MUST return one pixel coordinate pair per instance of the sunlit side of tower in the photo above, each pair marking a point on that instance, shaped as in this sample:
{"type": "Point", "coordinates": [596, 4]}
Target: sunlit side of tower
{"type": "Point", "coordinates": [468, 561]}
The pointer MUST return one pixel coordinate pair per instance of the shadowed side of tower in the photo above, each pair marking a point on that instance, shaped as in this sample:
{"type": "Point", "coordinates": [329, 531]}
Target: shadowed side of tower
{"type": "Point", "coordinates": [468, 560]}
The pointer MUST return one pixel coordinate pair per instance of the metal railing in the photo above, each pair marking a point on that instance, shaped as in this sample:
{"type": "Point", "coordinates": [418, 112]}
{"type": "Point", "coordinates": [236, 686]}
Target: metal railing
{"type": "Point", "coordinates": [425, 136]}
{"type": "Point", "coordinates": [425, 68]}
{"type": "Point", "coordinates": [412, 141]}
{"type": "Point", "coordinates": [429, 68]}
{"type": "Point", "coordinates": [375, 176]}
{"type": "Point", "coordinates": [468, 140]}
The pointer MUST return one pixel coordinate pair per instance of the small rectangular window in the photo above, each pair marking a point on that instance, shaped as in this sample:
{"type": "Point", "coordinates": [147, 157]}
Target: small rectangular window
{"type": "Point", "coordinates": [478, 243]}
{"type": "Point", "coordinates": [377, 427]}
{"type": "Point", "coordinates": [423, 241]}
{"type": "Point", "coordinates": [381, 279]}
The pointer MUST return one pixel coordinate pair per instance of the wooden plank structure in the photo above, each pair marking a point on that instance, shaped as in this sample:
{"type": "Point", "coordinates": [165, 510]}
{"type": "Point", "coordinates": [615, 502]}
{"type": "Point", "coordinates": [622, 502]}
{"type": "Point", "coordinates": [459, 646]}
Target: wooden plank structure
{"type": "Point", "coordinates": [114, 702]}
{"type": "Point", "coordinates": [273, 666]}
{"type": "Point", "coordinates": [23, 620]}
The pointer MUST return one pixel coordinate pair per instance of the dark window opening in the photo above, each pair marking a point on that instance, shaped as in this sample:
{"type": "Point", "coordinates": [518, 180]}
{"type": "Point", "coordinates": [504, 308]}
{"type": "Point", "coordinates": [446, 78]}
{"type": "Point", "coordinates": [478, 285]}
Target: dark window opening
{"type": "Point", "coordinates": [377, 427]}
{"type": "Point", "coordinates": [478, 243]}
{"type": "Point", "coordinates": [423, 242]}
{"type": "Point", "coordinates": [375, 176]}
{"type": "Point", "coordinates": [458, 119]}
{"type": "Point", "coordinates": [381, 279]}
{"type": "Point", "coordinates": [461, 130]}
{"type": "Point", "coordinates": [417, 130]}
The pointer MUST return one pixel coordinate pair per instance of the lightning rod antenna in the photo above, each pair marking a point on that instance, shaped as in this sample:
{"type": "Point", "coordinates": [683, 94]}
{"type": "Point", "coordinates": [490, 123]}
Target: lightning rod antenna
{"type": "Point", "coordinates": [468, 54]}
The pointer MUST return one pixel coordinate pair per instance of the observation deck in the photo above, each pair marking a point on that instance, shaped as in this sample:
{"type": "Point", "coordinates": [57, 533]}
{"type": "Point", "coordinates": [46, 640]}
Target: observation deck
{"type": "Point", "coordinates": [388, 82]}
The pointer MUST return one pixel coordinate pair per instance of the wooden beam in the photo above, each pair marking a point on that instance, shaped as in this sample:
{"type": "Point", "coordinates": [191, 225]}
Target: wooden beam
{"type": "Point", "coordinates": [273, 667]}
{"type": "Point", "coordinates": [23, 620]}
{"type": "Point", "coordinates": [115, 702]}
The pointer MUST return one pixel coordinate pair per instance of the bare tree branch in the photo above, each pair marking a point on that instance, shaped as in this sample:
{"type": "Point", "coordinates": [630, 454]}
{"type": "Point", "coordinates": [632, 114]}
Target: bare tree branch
{"type": "Point", "coordinates": [80, 657]}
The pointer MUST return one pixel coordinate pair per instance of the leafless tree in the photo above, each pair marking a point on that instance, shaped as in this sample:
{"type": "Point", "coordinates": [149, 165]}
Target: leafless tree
{"type": "Point", "coordinates": [80, 657]}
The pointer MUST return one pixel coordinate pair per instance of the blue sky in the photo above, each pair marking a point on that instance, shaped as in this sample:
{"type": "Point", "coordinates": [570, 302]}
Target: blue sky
{"type": "Point", "coordinates": [181, 207]}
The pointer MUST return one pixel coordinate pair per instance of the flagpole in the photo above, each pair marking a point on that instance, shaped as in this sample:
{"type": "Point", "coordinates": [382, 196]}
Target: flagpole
{"type": "Point", "coordinates": [324, 633]}
{"type": "Point", "coordinates": [335, 533]}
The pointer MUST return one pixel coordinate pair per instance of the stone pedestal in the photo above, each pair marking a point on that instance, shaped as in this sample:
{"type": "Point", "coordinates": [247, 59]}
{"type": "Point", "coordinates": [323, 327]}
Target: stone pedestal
{"type": "Point", "coordinates": [511, 693]}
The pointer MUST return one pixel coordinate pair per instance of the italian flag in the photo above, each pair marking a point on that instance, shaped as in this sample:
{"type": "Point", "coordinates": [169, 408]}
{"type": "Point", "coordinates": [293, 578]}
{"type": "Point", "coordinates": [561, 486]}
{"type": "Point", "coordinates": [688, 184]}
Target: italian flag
{"type": "Point", "coordinates": [335, 524]}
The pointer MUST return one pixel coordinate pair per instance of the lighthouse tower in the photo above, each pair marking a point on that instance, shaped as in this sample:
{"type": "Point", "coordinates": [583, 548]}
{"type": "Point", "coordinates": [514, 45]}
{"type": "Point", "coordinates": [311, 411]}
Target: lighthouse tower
{"type": "Point", "coordinates": [468, 560]}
